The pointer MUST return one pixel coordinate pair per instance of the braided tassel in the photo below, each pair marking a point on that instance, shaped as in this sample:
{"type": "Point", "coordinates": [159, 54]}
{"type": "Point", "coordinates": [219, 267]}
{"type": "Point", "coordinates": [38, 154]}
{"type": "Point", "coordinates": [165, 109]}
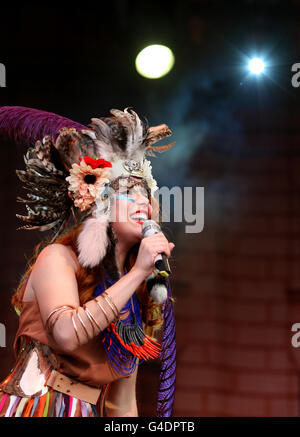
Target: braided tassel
{"type": "Point", "coordinates": [168, 361]}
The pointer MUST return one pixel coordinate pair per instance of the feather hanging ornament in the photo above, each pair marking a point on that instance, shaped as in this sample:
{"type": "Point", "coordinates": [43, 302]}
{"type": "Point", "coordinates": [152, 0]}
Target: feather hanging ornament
{"type": "Point", "coordinates": [156, 286]}
{"type": "Point", "coordinates": [93, 241]}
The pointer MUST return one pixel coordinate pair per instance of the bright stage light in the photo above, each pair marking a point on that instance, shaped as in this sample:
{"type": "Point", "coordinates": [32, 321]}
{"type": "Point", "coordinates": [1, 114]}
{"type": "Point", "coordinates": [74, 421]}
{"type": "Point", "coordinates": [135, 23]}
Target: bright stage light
{"type": "Point", "coordinates": [256, 66]}
{"type": "Point", "coordinates": [154, 61]}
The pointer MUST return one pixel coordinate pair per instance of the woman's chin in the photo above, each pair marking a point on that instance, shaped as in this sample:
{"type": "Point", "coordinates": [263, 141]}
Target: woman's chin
{"type": "Point", "coordinates": [131, 230]}
{"type": "Point", "coordinates": [138, 227]}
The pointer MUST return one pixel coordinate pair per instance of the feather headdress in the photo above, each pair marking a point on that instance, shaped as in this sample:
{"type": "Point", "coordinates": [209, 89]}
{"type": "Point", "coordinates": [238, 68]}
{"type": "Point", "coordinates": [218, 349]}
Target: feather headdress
{"type": "Point", "coordinates": [61, 151]}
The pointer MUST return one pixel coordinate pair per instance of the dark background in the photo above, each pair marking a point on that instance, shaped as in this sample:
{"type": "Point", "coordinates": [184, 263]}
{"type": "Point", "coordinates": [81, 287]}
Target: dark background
{"type": "Point", "coordinates": [237, 282]}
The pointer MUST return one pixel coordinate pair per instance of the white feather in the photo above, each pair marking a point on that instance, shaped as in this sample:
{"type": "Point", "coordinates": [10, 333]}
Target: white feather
{"type": "Point", "coordinates": [103, 151]}
{"type": "Point", "coordinates": [137, 135]}
{"type": "Point", "coordinates": [93, 241]}
{"type": "Point", "coordinates": [133, 127]}
{"type": "Point", "coordinates": [159, 293]}
{"type": "Point", "coordinates": [104, 128]}
{"type": "Point", "coordinates": [89, 133]}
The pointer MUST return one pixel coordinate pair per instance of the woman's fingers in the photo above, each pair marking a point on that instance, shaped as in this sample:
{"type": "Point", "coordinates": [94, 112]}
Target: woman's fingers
{"type": "Point", "coordinates": [164, 247]}
{"type": "Point", "coordinates": [161, 244]}
{"type": "Point", "coordinates": [150, 247]}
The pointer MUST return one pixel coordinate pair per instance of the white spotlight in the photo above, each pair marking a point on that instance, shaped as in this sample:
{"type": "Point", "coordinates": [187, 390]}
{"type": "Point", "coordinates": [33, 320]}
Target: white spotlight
{"type": "Point", "coordinates": [256, 66]}
{"type": "Point", "coordinates": [154, 61]}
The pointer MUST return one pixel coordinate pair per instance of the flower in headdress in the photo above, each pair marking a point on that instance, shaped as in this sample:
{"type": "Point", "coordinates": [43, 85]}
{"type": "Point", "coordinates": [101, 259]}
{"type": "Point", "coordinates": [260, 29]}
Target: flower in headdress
{"type": "Point", "coordinates": [147, 174]}
{"type": "Point", "coordinates": [87, 181]}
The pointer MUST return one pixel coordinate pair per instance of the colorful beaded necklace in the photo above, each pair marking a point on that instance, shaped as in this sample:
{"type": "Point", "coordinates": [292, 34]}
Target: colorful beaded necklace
{"type": "Point", "coordinates": [125, 340]}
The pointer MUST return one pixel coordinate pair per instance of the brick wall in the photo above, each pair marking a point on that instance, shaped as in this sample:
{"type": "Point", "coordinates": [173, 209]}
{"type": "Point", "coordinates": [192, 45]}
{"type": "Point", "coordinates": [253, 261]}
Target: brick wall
{"type": "Point", "coordinates": [234, 313]}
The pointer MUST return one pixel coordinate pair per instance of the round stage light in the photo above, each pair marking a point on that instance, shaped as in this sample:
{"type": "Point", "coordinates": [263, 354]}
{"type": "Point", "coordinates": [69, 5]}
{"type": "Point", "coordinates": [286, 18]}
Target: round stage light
{"type": "Point", "coordinates": [256, 66]}
{"type": "Point", "coordinates": [154, 61]}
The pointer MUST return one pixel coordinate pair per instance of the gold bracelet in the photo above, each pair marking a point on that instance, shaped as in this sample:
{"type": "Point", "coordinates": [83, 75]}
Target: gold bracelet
{"type": "Point", "coordinates": [75, 328]}
{"type": "Point", "coordinates": [49, 327]}
{"type": "Point", "coordinates": [87, 312]}
{"type": "Point", "coordinates": [112, 305]}
{"type": "Point", "coordinates": [82, 323]}
{"type": "Point", "coordinates": [91, 317]}
{"type": "Point", "coordinates": [103, 310]}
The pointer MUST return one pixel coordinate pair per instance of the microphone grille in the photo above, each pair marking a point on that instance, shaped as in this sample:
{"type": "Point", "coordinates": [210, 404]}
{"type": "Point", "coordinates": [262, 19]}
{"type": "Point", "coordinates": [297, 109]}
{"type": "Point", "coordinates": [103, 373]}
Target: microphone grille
{"type": "Point", "coordinates": [150, 227]}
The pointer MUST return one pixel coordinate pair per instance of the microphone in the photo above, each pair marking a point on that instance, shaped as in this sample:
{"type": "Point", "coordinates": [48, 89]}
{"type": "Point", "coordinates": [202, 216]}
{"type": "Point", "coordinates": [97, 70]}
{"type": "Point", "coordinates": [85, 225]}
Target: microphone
{"type": "Point", "coordinates": [150, 227]}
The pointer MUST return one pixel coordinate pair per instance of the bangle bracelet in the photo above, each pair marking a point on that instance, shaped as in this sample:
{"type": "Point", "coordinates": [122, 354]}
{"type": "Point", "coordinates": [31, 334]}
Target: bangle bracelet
{"type": "Point", "coordinates": [111, 303]}
{"type": "Point", "coordinates": [48, 325]}
{"type": "Point", "coordinates": [103, 310]}
{"type": "Point", "coordinates": [75, 328]}
{"type": "Point", "coordinates": [82, 323]}
{"type": "Point", "coordinates": [91, 318]}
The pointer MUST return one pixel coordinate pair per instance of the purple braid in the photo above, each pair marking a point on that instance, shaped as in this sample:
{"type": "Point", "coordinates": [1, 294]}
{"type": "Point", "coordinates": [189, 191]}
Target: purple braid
{"type": "Point", "coordinates": [26, 125]}
{"type": "Point", "coordinates": [166, 391]}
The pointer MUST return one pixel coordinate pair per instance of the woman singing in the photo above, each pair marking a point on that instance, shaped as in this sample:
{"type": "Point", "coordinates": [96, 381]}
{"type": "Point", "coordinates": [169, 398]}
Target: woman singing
{"type": "Point", "coordinates": [91, 298]}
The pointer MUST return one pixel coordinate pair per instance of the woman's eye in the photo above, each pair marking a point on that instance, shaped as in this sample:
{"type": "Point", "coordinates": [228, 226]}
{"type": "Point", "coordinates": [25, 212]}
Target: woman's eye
{"type": "Point", "coordinates": [144, 193]}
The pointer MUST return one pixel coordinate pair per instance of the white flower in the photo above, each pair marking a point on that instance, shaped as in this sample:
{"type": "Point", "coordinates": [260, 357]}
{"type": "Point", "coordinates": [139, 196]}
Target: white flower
{"type": "Point", "coordinates": [147, 174]}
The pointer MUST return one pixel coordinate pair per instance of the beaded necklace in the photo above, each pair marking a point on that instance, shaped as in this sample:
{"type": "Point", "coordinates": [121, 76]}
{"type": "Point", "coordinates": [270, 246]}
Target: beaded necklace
{"type": "Point", "coordinates": [125, 341]}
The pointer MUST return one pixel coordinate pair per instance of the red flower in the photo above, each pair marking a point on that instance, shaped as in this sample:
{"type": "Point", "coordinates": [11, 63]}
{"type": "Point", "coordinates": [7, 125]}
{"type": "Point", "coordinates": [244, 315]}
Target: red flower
{"type": "Point", "coordinates": [96, 163]}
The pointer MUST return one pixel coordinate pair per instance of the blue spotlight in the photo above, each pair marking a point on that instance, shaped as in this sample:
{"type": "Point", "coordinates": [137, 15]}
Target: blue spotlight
{"type": "Point", "coordinates": [256, 65]}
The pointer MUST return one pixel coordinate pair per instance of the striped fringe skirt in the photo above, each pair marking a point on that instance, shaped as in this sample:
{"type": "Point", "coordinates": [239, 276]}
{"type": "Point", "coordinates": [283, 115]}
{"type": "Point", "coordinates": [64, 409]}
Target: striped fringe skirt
{"type": "Point", "coordinates": [51, 404]}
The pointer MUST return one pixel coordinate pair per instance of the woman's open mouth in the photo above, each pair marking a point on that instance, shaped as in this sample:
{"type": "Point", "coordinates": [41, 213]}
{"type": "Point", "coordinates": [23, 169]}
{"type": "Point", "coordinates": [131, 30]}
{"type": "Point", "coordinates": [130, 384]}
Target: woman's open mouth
{"type": "Point", "coordinates": [139, 217]}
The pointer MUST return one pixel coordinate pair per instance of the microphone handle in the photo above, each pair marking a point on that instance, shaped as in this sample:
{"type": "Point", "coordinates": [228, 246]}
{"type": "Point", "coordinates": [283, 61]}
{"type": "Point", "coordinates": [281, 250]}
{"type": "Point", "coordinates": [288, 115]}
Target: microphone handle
{"type": "Point", "coordinates": [161, 263]}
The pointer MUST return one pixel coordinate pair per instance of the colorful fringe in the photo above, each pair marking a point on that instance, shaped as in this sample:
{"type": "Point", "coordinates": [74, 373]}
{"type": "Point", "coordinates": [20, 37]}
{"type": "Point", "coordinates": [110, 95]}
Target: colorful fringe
{"type": "Point", "coordinates": [149, 349]}
{"type": "Point", "coordinates": [51, 404]}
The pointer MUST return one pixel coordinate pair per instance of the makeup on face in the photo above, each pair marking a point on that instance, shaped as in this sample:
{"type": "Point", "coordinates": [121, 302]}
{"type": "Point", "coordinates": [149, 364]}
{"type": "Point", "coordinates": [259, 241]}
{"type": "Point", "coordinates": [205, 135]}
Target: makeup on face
{"type": "Point", "coordinates": [130, 193]}
{"type": "Point", "coordinates": [128, 190]}
{"type": "Point", "coordinates": [122, 197]}
{"type": "Point", "coordinates": [130, 186]}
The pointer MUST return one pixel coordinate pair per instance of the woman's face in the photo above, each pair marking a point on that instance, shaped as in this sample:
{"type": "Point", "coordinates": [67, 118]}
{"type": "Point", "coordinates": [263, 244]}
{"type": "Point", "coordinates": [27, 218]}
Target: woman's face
{"type": "Point", "coordinates": [130, 208]}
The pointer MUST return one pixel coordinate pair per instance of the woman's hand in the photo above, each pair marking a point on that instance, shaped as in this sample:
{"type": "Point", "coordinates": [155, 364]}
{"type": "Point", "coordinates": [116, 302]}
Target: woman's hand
{"type": "Point", "coordinates": [149, 248]}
